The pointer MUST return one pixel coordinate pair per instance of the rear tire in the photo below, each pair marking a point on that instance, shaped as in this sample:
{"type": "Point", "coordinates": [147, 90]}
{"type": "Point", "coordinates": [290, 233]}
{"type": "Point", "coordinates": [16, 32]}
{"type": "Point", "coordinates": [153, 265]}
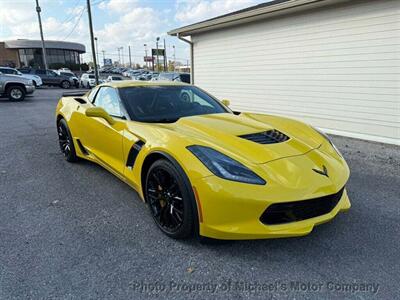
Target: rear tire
{"type": "Point", "coordinates": [66, 142]}
{"type": "Point", "coordinates": [170, 198]}
{"type": "Point", "coordinates": [16, 93]}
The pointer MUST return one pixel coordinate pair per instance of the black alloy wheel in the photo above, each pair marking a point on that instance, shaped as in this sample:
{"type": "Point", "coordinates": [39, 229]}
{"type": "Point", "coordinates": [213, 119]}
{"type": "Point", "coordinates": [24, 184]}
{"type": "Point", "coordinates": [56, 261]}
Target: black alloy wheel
{"type": "Point", "coordinates": [65, 141]}
{"type": "Point", "coordinates": [170, 199]}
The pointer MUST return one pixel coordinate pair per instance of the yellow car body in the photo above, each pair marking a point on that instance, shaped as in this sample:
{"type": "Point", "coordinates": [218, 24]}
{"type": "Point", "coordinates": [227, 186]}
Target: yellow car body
{"type": "Point", "coordinates": [225, 209]}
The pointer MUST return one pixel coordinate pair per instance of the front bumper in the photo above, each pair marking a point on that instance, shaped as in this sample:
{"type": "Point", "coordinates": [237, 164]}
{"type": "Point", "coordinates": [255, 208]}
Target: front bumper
{"type": "Point", "coordinates": [232, 210]}
{"type": "Point", "coordinates": [238, 216]}
{"type": "Point", "coordinates": [29, 89]}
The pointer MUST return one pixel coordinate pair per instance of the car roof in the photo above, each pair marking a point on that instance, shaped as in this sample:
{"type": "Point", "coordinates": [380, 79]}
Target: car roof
{"type": "Point", "coordinates": [132, 83]}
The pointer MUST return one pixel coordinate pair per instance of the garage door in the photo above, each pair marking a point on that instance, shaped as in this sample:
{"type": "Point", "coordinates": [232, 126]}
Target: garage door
{"type": "Point", "coordinates": [337, 68]}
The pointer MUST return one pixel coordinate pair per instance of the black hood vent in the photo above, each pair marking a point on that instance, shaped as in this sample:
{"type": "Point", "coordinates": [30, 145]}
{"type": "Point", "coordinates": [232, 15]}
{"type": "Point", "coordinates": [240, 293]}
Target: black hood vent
{"type": "Point", "coordinates": [272, 136]}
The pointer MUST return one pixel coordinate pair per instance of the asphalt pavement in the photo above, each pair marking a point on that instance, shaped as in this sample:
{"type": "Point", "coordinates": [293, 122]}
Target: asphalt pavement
{"type": "Point", "coordinates": [74, 231]}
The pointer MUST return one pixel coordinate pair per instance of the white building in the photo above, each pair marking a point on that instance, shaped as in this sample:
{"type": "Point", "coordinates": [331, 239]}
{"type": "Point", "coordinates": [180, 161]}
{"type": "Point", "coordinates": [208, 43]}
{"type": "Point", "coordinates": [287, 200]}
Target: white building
{"type": "Point", "coordinates": [334, 64]}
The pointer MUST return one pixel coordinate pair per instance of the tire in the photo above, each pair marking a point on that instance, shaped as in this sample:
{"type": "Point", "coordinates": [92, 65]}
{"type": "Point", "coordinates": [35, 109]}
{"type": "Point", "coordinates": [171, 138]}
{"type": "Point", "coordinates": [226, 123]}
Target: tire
{"type": "Point", "coordinates": [170, 199]}
{"type": "Point", "coordinates": [35, 84]}
{"type": "Point", "coordinates": [65, 84]}
{"type": "Point", "coordinates": [66, 142]}
{"type": "Point", "coordinates": [16, 93]}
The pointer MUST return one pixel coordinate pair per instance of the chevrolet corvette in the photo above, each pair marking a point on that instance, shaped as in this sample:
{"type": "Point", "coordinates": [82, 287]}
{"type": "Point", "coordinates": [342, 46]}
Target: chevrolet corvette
{"type": "Point", "coordinates": [201, 168]}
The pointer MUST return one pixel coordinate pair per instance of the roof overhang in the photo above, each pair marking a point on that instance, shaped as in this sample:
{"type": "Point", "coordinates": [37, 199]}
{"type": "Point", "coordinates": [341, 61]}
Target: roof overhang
{"type": "Point", "coordinates": [31, 44]}
{"type": "Point", "coordinates": [251, 14]}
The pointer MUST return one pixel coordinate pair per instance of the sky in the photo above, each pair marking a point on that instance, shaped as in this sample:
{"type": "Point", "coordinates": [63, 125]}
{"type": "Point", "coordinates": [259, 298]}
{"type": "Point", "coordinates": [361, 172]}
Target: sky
{"type": "Point", "coordinates": [117, 23]}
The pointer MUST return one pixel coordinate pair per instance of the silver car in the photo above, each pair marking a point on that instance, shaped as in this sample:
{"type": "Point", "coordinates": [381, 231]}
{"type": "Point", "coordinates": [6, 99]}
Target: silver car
{"type": "Point", "coordinates": [37, 81]}
{"type": "Point", "coordinates": [15, 87]}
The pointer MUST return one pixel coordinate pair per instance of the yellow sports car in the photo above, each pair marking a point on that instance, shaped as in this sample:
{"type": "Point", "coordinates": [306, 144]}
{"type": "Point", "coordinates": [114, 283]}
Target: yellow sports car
{"type": "Point", "coordinates": [201, 168]}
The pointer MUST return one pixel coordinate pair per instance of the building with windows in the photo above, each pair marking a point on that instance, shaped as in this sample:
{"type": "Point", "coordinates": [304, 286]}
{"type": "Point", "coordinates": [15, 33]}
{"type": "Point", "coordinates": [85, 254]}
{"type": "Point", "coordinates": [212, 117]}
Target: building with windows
{"type": "Point", "coordinates": [28, 53]}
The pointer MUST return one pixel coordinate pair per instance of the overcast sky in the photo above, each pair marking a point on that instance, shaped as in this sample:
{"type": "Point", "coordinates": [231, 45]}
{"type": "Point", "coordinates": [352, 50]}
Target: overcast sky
{"type": "Point", "coordinates": [117, 23]}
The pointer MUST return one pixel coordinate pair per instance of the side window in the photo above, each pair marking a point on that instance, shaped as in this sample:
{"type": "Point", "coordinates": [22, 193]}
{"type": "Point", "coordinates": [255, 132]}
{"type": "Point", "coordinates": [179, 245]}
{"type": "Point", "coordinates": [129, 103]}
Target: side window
{"type": "Point", "coordinates": [92, 94]}
{"type": "Point", "coordinates": [6, 71]}
{"type": "Point", "coordinates": [51, 73]}
{"type": "Point", "coordinates": [108, 99]}
{"type": "Point", "coordinates": [40, 72]}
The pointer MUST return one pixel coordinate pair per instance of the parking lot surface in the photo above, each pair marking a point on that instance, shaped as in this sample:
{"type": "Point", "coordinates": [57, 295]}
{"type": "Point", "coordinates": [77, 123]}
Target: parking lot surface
{"type": "Point", "coordinates": [76, 231]}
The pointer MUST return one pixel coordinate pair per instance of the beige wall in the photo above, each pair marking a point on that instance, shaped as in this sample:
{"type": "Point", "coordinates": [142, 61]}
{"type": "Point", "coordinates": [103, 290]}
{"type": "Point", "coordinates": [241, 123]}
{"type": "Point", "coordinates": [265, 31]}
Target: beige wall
{"type": "Point", "coordinates": [8, 55]}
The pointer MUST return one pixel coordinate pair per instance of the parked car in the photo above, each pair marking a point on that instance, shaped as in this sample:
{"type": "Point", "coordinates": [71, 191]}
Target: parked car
{"type": "Point", "coordinates": [74, 78]}
{"type": "Point", "coordinates": [88, 80]}
{"type": "Point", "coordinates": [15, 87]}
{"type": "Point", "coordinates": [113, 78]}
{"type": "Point", "coordinates": [173, 76]}
{"type": "Point", "coordinates": [37, 81]}
{"type": "Point", "coordinates": [50, 77]}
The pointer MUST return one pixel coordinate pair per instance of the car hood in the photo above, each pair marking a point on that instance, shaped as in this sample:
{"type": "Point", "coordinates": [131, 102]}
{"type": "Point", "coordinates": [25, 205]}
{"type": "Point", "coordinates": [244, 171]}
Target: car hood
{"type": "Point", "coordinates": [222, 132]}
{"type": "Point", "coordinates": [16, 78]}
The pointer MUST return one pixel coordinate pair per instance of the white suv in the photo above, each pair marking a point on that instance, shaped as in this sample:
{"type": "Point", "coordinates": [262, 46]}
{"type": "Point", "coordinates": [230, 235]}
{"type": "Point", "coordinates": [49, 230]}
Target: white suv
{"type": "Point", "coordinates": [88, 80]}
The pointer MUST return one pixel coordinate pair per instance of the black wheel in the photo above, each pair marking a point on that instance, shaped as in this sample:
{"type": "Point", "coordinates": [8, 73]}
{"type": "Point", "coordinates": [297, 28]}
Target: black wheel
{"type": "Point", "coordinates": [16, 93]}
{"type": "Point", "coordinates": [65, 84]}
{"type": "Point", "coordinates": [35, 84]}
{"type": "Point", "coordinates": [170, 199]}
{"type": "Point", "coordinates": [65, 140]}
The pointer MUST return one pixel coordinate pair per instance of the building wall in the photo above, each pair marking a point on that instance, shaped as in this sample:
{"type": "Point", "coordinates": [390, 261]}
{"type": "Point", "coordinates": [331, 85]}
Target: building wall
{"type": "Point", "coordinates": [337, 68]}
{"type": "Point", "coordinates": [8, 56]}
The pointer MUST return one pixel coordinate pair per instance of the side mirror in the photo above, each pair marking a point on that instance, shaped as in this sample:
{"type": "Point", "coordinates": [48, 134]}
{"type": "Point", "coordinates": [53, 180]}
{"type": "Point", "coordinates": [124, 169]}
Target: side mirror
{"type": "Point", "coordinates": [226, 102]}
{"type": "Point", "coordinates": [98, 112]}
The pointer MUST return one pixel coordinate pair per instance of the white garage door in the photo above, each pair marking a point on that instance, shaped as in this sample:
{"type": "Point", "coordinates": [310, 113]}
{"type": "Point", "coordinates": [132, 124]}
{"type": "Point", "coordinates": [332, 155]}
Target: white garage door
{"type": "Point", "coordinates": [337, 68]}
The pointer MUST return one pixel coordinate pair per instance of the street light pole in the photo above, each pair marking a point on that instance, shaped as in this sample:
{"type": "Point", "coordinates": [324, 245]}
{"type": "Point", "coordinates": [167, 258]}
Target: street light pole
{"type": "Point", "coordinates": [130, 59]}
{"type": "Point", "coordinates": [119, 56]}
{"type": "Point", "coordinates": [122, 55]}
{"type": "Point", "coordinates": [96, 74]}
{"type": "Point", "coordinates": [38, 10]}
{"type": "Point", "coordinates": [145, 55]}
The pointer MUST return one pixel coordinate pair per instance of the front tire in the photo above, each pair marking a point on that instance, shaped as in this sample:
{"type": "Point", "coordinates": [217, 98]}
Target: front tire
{"type": "Point", "coordinates": [66, 142]}
{"type": "Point", "coordinates": [65, 84]}
{"type": "Point", "coordinates": [16, 93]}
{"type": "Point", "coordinates": [170, 198]}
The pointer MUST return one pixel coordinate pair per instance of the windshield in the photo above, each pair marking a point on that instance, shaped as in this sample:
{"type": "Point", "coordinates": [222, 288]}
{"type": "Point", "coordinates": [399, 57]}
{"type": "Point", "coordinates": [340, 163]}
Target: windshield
{"type": "Point", "coordinates": [165, 104]}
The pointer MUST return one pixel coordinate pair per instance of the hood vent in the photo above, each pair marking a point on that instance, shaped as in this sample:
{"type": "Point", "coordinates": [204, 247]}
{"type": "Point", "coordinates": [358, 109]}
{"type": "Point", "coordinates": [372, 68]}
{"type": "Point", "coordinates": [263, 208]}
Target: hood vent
{"type": "Point", "coordinates": [267, 137]}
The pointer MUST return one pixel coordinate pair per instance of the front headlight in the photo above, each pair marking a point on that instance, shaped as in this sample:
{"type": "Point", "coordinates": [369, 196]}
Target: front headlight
{"type": "Point", "coordinates": [324, 135]}
{"type": "Point", "coordinates": [224, 166]}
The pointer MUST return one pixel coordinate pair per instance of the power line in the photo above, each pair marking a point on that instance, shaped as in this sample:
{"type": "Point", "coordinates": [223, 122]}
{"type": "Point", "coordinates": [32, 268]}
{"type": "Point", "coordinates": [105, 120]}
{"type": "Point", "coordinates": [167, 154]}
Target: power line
{"type": "Point", "coordinates": [76, 24]}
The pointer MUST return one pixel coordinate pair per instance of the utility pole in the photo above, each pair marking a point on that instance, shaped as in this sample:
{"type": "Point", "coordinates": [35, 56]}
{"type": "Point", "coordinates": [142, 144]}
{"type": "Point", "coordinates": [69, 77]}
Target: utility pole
{"type": "Point", "coordinates": [38, 10]}
{"type": "Point", "coordinates": [104, 57]}
{"type": "Point", "coordinates": [158, 64]}
{"type": "Point", "coordinates": [119, 56]}
{"type": "Point", "coordinates": [122, 55]}
{"type": "Point", "coordinates": [130, 59]}
{"type": "Point", "coordinates": [165, 57]}
{"type": "Point", "coordinates": [97, 51]}
{"type": "Point", "coordinates": [96, 74]}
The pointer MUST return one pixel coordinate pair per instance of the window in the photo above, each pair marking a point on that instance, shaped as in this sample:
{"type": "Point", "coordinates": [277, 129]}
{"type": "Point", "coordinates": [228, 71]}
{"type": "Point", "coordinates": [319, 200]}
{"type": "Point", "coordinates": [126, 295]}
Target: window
{"type": "Point", "coordinates": [92, 94]}
{"type": "Point", "coordinates": [108, 99]}
{"type": "Point", "coordinates": [168, 103]}
{"type": "Point", "coordinates": [41, 72]}
{"type": "Point", "coordinates": [51, 73]}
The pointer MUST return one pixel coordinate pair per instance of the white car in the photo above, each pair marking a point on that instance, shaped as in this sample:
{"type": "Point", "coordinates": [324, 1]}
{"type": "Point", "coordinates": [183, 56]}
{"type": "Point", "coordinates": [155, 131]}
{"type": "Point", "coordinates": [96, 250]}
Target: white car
{"type": "Point", "coordinates": [88, 80]}
{"type": "Point", "coordinates": [113, 78]}
{"type": "Point", "coordinates": [37, 81]}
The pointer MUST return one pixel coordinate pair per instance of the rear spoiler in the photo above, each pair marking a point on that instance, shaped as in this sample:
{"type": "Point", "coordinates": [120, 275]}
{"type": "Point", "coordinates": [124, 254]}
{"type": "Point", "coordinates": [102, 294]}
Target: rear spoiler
{"type": "Point", "coordinates": [74, 94]}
